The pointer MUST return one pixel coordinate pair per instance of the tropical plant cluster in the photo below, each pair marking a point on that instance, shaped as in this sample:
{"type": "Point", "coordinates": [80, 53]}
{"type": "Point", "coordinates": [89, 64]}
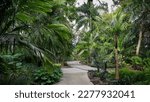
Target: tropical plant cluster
{"type": "Point", "coordinates": [38, 36]}
{"type": "Point", "coordinates": [34, 37]}
{"type": "Point", "coordinates": [116, 40]}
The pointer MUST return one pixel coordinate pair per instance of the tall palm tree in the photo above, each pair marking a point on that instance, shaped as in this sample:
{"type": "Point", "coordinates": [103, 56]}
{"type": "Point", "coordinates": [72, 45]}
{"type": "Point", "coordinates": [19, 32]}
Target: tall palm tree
{"type": "Point", "coordinates": [86, 21]}
{"type": "Point", "coordinates": [118, 25]}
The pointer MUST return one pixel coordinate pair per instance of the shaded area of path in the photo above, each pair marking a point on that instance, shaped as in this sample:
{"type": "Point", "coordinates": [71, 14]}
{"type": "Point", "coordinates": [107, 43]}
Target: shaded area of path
{"type": "Point", "coordinates": [76, 74]}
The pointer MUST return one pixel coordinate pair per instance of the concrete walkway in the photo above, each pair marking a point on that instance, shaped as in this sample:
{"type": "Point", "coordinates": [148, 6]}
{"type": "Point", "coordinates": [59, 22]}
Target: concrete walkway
{"type": "Point", "coordinates": [76, 74]}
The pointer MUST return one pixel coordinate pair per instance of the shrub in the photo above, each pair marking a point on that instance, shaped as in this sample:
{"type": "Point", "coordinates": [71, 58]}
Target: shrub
{"type": "Point", "coordinates": [137, 63]}
{"type": "Point", "coordinates": [13, 72]}
{"type": "Point", "coordinates": [130, 77]}
{"type": "Point", "coordinates": [136, 60]}
{"type": "Point", "coordinates": [43, 76]}
{"type": "Point", "coordinates": [146, 63]}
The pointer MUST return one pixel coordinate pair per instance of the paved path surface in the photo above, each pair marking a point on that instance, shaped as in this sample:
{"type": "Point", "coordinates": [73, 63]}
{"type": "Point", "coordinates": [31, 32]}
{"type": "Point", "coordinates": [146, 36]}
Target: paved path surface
{"type": "Point", "coordinates": [76, 74]}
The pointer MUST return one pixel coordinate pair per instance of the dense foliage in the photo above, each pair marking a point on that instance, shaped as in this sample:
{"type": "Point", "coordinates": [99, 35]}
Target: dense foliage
{"type": "Point", "coordinates": [116, 39]}
{"type": "Point", "coordinates": [132, 77]}
{"type": "Point", "coordinates": [37, 34]}
{"type": "Point", "coordinates": [32, 37]}
{"type": "Point", "coordinates": [48, 75]}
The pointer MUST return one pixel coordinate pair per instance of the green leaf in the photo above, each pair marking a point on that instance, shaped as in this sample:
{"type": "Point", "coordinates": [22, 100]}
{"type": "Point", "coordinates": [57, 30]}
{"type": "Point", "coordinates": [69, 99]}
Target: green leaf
{"type": "Point", "coordinates": [25, 17]}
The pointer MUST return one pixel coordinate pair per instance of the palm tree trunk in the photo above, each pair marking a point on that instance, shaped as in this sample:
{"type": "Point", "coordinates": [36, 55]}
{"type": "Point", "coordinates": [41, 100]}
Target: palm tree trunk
{"type": "Point", "coordinates": [139, 41]}
{"type": "Point", "coordinates": [116, 57]}
{"type": "Point", "coordinates": [91, 28]}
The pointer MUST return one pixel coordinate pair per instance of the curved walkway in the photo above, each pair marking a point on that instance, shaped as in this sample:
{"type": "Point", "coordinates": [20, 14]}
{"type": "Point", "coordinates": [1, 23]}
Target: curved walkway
{"type": "Point", "coordinates": [76, 74]}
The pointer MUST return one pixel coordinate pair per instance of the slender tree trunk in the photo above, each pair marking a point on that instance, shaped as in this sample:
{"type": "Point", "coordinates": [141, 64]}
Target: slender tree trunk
{"type": "Point", "coordinates": [91, 28]}
{"type": "Point", "coordinates": [139, 40]}
{"type": "Point", "coordinates": [116, 57]}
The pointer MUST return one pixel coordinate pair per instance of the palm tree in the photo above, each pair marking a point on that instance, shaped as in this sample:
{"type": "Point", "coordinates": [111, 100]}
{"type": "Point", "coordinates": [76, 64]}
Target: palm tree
{"type": "Point", "coordinates": [86, 24]}
{"type": "Point", "coordinates": [31, 39]}
{"type": "Point", "coordinates": [28, 23]}
{"type": "Point", "coordinates": [118, 25]}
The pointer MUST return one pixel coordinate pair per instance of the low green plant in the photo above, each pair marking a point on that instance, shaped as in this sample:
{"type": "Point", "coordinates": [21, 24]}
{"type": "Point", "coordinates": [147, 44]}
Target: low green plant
{"type": "Point", "coordinates": [146, 63]}
{"type": "Point", "coordinates": [13, 72]}
{"type": "Point", "coordinates": [136, 60]}
{"type": "Point", "coordinates": [129, 76]}
{"type": "Point", "coordinates": [132, 77]}
{"type": "Point", "coordinates": [43, 76]}
{"type": "Point", "coordinates": [137, 63]}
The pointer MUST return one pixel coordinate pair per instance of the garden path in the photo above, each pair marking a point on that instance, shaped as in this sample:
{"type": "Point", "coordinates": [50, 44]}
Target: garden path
{"type": "Point", "coordinates": [75, 74]}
